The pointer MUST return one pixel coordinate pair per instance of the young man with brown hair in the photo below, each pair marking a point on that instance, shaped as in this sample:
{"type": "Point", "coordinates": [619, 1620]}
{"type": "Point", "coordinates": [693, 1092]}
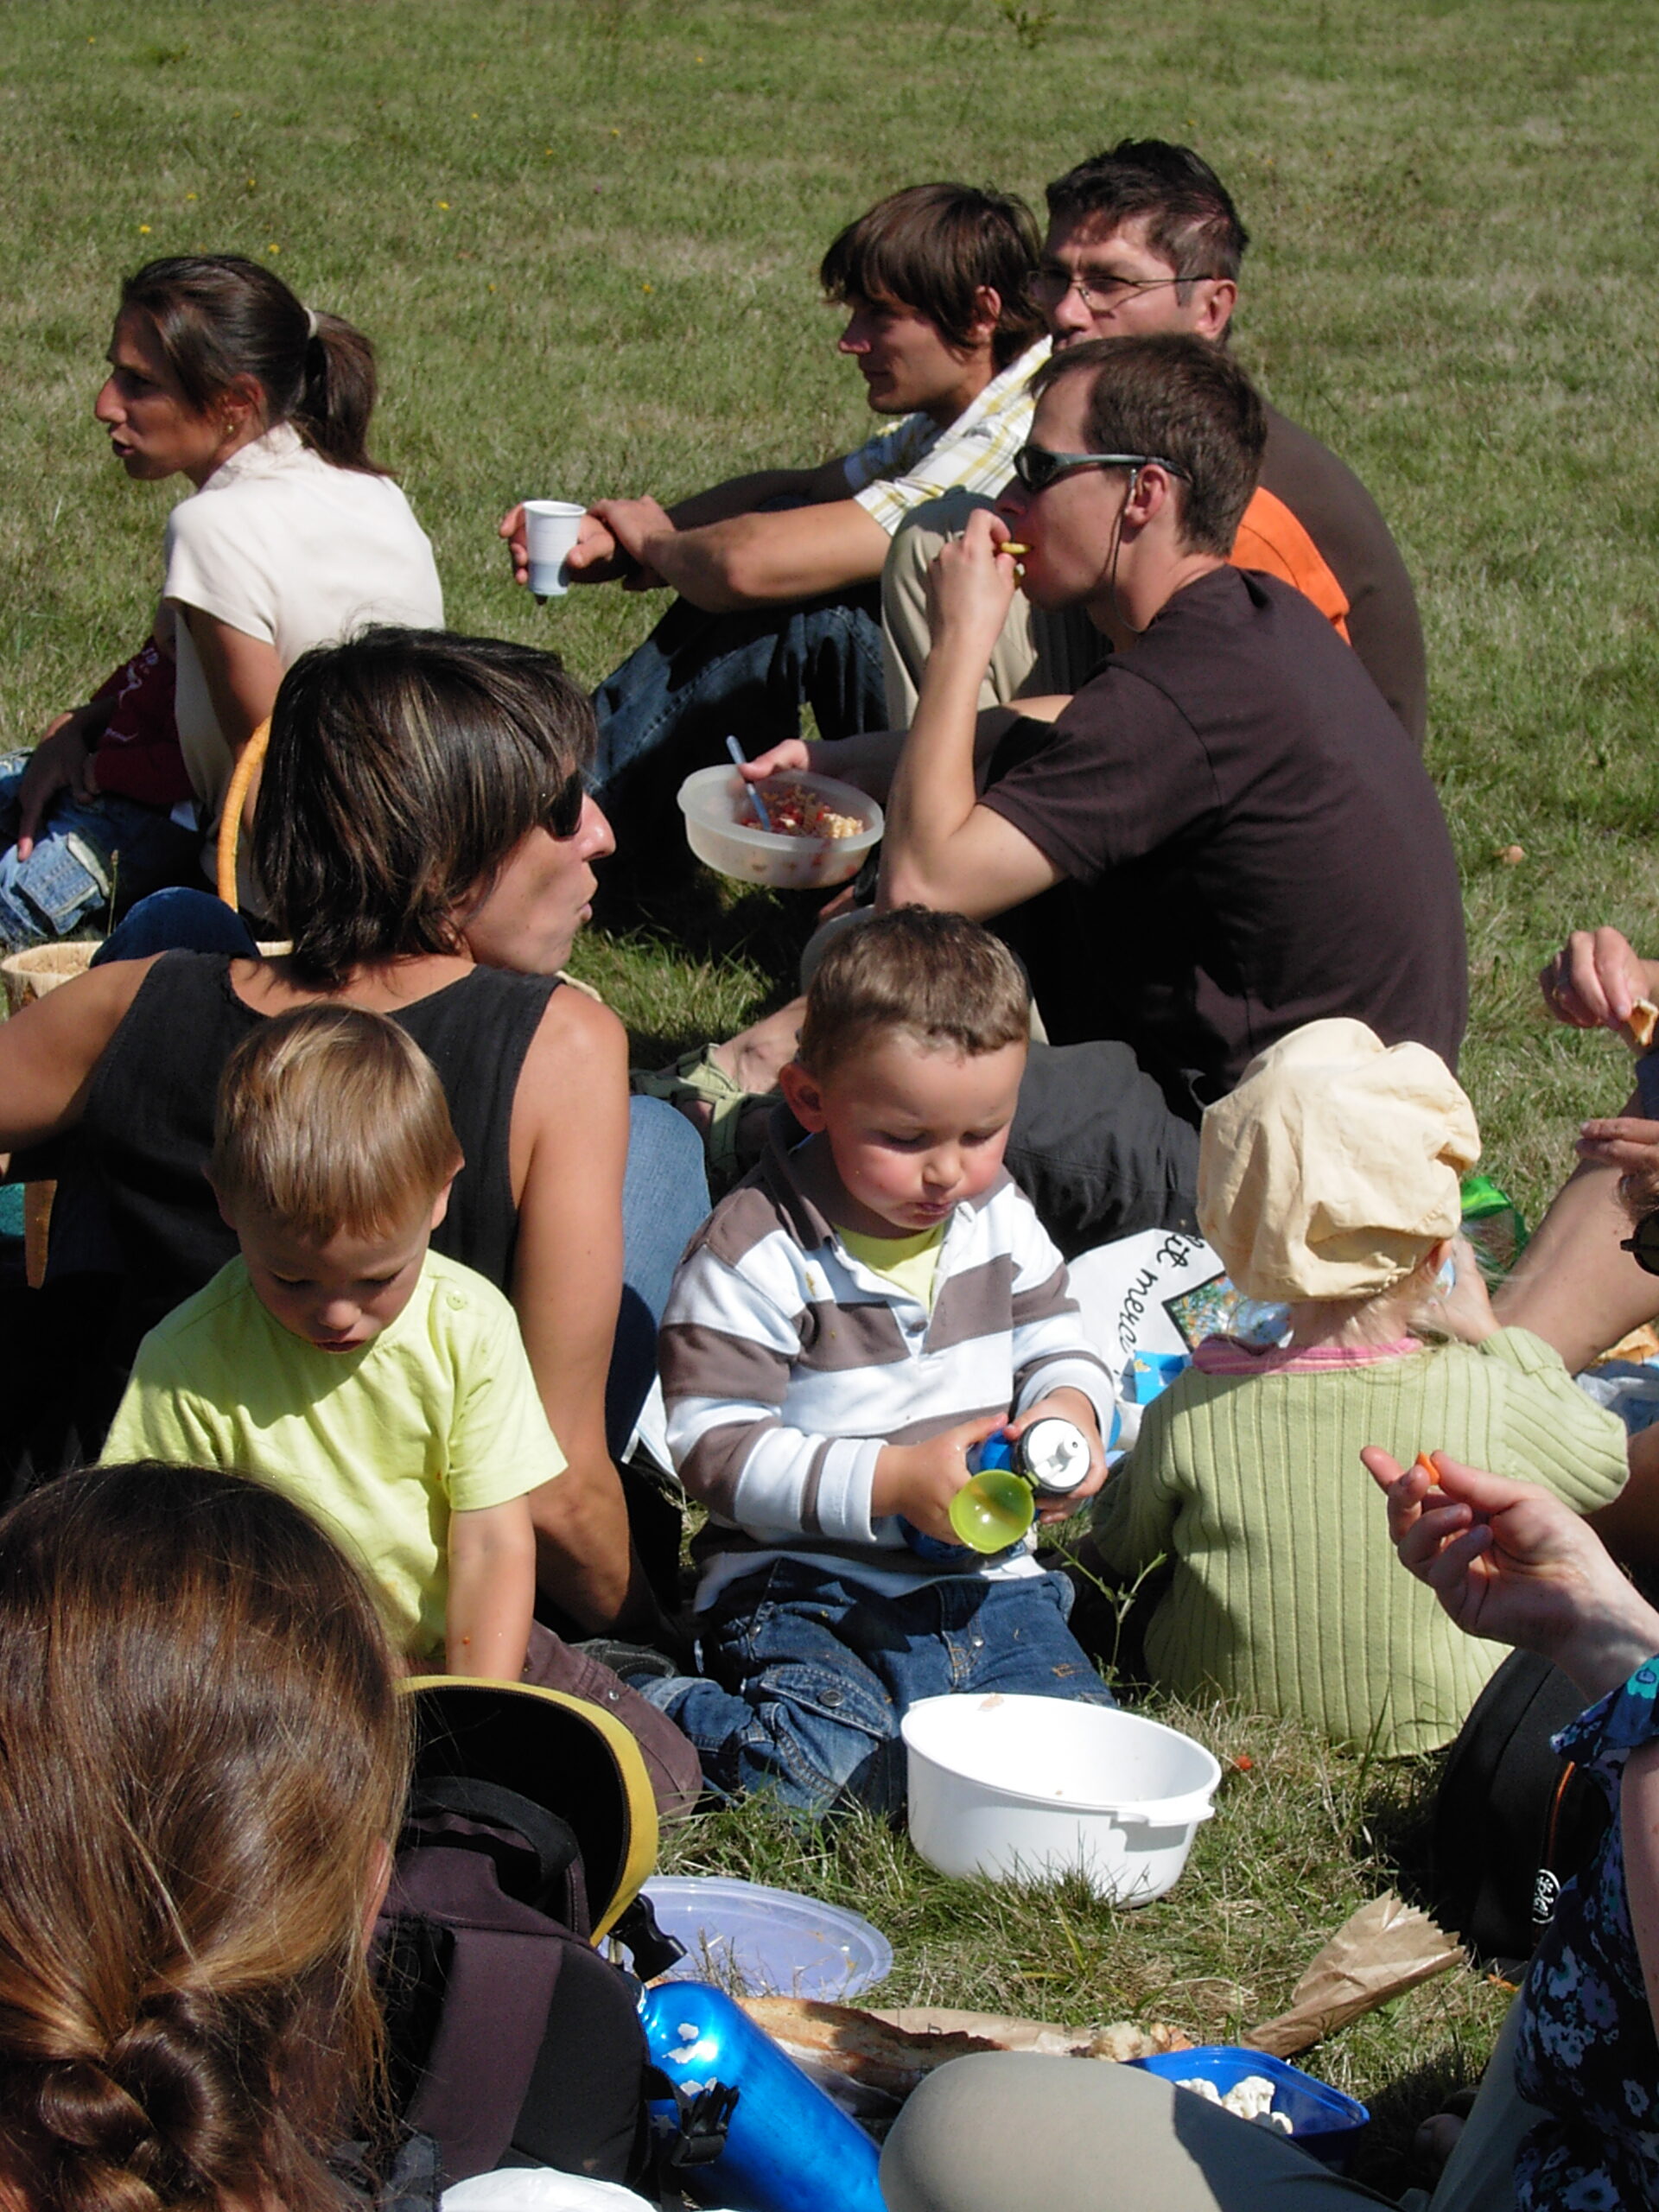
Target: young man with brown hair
{"type": "Point", "coordinates": [777, 571]}
{"type": "Point", "coordinates": [1248, 838]}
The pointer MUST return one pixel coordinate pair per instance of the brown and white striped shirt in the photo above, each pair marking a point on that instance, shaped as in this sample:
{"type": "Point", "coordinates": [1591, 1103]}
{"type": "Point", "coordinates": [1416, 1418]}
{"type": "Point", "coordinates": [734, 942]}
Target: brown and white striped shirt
{"type": "Point", "coordinates": [787, 1364]}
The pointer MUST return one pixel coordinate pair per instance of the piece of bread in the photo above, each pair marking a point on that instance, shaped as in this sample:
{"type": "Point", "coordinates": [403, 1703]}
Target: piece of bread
{"type": "Point", "coordinates": [882, 2054]}
{"type": "Point", "coordinates": [1642, 1020]}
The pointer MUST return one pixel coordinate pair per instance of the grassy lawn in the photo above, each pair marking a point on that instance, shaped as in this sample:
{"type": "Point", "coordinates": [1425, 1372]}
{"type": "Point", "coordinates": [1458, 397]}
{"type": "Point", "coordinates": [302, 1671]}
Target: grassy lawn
{"type": "Point", "coordinates": [583, 235]}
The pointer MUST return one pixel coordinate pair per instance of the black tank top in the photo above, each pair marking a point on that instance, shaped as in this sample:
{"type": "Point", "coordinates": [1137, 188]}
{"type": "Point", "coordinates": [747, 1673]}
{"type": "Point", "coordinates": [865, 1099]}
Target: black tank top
{"type": "Point", "coordinates": [149, 1123]}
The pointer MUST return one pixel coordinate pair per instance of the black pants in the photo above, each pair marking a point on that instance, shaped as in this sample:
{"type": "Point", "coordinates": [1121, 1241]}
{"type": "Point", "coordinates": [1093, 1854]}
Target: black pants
{"type": "Point", "coordinates": [1097, 1148]}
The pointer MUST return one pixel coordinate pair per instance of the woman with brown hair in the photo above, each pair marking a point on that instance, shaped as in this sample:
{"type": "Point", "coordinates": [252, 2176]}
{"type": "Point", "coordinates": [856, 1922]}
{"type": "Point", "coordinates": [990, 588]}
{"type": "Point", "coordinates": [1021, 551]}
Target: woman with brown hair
{"type": "Point", "coordinates": [291, 536]}
{"type": "Point", "coordinates": [426, 840]}
{"type": "Point", "coordinates": [202, 1768]}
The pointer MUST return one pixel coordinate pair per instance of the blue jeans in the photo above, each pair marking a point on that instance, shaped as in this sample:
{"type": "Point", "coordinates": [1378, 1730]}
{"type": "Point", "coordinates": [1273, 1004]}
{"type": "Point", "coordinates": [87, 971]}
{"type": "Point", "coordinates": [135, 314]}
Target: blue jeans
{"type": "Point", "coordinates": [664, 1202]}
{"type": "Point", "coordinates": [699, 676]}
{"type": "Point", "coordinates": [180, 920]}
{"type": "Point", "coordinates": [92, 854]}
{"type": "Point", "coordinates": [806, 1675]}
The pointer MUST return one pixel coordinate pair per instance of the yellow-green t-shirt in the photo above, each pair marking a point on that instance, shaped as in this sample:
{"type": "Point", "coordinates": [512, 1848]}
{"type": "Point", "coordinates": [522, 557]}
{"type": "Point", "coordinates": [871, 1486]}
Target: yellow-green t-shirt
{"type": "Point", "coordinates": [911, 1263]}
{"type": "Point", "coordinates": [437, 1413]}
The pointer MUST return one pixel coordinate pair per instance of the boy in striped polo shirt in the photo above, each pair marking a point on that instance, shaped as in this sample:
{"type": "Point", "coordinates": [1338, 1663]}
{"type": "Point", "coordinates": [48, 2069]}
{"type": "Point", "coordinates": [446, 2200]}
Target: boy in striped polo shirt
{"type": "Point", "coordinates": [849, 1322]}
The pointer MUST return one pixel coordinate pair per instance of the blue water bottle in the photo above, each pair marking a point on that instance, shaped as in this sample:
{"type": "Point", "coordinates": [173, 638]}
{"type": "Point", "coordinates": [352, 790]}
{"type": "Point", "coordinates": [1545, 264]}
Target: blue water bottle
{"type": "Point", "coordinates": [789, 2147]}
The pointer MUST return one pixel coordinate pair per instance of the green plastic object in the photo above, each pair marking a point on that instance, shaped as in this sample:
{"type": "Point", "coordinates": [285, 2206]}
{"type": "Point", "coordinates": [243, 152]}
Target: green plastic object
{"type": "Point", "coordinates": [993, 1509]}
{"type": "Point", "coordinates": [1493, 1223]}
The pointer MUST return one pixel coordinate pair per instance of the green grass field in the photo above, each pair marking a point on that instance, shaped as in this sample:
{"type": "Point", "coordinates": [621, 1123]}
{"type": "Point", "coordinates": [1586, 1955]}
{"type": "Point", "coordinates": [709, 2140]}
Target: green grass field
{"type": "Point", "coordinates": [583, 235]}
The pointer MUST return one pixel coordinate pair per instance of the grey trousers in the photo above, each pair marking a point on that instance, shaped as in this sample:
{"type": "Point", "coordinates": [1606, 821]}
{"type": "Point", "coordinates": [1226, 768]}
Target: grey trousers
{"type": "Point", "coordinates": [1001, 2132]}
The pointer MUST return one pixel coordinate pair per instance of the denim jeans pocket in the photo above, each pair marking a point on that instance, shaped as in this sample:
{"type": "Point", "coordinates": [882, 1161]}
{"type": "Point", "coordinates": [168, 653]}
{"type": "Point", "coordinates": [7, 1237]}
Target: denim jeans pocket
{"type": "Point", "coordinates": [63, 880]}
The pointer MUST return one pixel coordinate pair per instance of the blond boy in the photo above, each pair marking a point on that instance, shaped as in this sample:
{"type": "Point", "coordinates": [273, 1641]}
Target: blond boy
{"type": "Point", "coordinates": [383, 1386]}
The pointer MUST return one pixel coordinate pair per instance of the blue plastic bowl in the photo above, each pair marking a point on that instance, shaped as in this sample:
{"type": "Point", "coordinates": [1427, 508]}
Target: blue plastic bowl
{"type": "Point", "coordinates": [1322, 2119]}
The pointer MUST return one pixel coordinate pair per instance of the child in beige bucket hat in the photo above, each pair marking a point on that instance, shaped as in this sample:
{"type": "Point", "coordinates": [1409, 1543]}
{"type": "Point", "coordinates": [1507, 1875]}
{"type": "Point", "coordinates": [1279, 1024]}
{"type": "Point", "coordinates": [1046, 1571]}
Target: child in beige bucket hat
{"type": "Point", "coordinates": [1329, 1181]}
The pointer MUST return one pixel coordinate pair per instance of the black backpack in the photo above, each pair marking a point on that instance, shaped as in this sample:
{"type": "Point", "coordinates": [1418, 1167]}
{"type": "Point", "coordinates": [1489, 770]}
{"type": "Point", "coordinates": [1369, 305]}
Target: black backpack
{"type": "Point", "coordinates": [1514, 1822]}
{"type": "Point", "coordinates": [512, 2041]}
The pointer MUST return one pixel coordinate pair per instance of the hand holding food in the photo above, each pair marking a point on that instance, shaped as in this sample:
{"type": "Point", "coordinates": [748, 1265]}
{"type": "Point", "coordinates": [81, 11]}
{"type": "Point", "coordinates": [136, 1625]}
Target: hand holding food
{"type": "Point", "coordinates": [1513, 1562]}
{"type": "Point", "coordinates": [970, 587]}
{"type": "Point", "coordinates": [1596, 982]}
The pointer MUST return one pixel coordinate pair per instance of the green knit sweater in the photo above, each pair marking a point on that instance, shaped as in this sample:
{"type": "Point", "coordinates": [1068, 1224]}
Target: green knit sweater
{"type": "Point", "coordinates": [1287, 1595]}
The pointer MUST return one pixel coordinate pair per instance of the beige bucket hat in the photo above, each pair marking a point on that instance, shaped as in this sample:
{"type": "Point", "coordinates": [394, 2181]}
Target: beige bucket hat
{"type": "Point", "coordinates": [1335, 1165]}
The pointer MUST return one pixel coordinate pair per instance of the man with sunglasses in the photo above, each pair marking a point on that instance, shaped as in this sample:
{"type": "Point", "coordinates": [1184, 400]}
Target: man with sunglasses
{"type": "Point", "coordinates": [1245, 837]}
{"type": "Point", "coordinates": [1146, 237]}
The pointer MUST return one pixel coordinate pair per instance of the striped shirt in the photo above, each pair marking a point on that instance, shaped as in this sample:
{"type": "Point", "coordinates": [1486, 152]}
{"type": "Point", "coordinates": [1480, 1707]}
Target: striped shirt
{"type": "Point", "coordinates": [917, 461]}
{"type": "Point", "coordinates": [787, 1364]}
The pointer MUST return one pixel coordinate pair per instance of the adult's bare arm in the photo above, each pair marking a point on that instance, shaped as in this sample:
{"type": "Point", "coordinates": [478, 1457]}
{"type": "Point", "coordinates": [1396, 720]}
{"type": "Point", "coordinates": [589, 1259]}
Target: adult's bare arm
{"type": "Point", "coordinates": [742, 495]}
{"type": "Point", "coordinates": [1512, 1562]}
{"type": "Point", "coordinates": [49, 1051]}
{"type": "Point", "coordinates": [242, 674]}
{"type": "Point", "coordinates": [941, 848]}
{"type": "Point", "coordinates": [598, 558]}
{"type": "Point", "coordinates": [57, 764]}
{"type": "Point", "coordinates": [753, 559]}
{"type": "Point", "coordinates": [569, 1147]}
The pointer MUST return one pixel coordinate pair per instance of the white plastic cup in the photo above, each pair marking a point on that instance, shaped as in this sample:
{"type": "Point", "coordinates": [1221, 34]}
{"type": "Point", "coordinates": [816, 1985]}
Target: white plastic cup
{"type": "Point", "coordinates": [550, 531]}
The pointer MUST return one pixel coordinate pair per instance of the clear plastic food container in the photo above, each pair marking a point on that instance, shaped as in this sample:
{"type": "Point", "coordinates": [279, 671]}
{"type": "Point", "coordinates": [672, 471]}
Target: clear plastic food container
{"type": "Point", "coordinates": [721, 828]}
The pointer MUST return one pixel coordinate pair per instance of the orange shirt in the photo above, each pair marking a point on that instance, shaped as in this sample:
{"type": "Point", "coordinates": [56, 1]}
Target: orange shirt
{"type": "Point", "coordinates": [1270, 538]}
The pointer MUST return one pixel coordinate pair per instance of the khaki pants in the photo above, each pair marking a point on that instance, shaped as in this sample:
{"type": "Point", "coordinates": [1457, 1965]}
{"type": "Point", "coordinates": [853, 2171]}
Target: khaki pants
{"type": "Point", "coordinates": [1002, 2131]}
{"type": "Point", "coordinates": [1038, 653]}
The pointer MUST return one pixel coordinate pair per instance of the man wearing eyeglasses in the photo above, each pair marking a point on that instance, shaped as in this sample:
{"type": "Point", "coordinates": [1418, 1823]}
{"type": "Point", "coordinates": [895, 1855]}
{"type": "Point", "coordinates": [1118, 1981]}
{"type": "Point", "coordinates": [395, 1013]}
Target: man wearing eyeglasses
{"type": "Point", "coordinates": [1146, 237]}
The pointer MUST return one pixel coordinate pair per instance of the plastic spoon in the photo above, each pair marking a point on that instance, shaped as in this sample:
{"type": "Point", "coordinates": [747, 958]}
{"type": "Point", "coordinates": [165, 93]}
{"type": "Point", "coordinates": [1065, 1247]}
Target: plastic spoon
{"type": "Point", "coordinates": [754, 789]}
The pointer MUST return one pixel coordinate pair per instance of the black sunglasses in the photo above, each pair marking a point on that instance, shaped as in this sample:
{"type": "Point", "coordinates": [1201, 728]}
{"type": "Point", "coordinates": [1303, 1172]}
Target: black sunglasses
{"type": "Point", "coordinates": [1037, 468]}
{"type": "Point", "coordinates": [1643, 1244]}
{"type": "Point", "coordinates": [562, 809]}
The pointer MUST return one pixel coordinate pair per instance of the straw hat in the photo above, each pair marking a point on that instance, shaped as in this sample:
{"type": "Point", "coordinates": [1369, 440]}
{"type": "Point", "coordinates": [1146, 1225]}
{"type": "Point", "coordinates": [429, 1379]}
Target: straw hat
{"type": "Point", "coordinates": [1335, 1165]}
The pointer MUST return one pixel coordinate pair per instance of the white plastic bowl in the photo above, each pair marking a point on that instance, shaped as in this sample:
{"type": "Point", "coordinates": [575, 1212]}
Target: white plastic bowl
{"type": "Point", "coordinates": [1032, 1788]}
{"type": "Point", "coordinates": [720, 828]}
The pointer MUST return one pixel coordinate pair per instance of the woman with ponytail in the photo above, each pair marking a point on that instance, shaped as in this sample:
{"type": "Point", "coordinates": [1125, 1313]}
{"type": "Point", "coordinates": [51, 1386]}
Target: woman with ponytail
{"type": "Point", "coordinates": [292, 536]}
{"type": "Point", "coordinates": [202, 1765]}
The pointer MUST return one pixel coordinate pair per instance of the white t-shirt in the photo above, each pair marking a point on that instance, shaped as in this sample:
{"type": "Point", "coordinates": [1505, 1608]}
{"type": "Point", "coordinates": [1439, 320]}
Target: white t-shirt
{"type": "Point", "coordinates": [284, 547]}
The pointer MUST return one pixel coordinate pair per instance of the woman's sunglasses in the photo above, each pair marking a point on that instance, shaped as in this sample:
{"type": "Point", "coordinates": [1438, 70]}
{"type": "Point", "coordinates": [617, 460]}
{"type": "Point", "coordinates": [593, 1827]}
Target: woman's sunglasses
{"type": "Point", "coordinates": [562, 809]}
{"type": "Point", "coordinates": [1643, 1244]}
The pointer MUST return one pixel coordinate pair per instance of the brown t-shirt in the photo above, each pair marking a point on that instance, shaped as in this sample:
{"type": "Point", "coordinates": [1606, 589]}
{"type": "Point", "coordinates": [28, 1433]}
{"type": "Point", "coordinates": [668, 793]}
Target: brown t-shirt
{"type": "Point", "coordinates": [1251, 840]}
{"type": "Point", "coordinates": [1344, 522]}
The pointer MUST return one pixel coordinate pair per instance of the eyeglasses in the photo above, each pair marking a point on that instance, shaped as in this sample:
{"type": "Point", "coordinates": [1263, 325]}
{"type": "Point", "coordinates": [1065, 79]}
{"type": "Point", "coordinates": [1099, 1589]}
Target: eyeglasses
{"type": "Point", "coordinates": [1037, 468]}
{"type": "Point", "coordinates": [1643, 1244]}
{"type": "Point", "coordinates": [1096, 288]}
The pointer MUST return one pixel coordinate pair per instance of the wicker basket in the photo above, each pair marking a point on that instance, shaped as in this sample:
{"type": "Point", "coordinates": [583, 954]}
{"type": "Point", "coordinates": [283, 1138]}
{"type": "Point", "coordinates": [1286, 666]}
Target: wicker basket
{"type": "Point", "coordinates": [40, 968]}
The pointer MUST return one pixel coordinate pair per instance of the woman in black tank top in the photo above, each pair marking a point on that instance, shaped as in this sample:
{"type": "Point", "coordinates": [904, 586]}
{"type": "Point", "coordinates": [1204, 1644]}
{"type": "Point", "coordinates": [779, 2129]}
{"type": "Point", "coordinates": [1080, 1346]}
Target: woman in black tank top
{"type": "Point", "coordinates": [425, 841]}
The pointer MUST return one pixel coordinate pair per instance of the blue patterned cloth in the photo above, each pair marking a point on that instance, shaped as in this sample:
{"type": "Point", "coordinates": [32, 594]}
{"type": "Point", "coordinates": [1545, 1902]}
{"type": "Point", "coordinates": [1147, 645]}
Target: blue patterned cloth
{"type": "Point", "coordinates": [1586, 2050]}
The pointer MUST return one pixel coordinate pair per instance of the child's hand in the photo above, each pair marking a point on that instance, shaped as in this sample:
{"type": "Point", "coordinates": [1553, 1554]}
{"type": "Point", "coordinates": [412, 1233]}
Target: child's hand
{"type": "Point", "coordinates": [919, 1480]}
{"type": "Point", "coordinates": [1072, 1406]}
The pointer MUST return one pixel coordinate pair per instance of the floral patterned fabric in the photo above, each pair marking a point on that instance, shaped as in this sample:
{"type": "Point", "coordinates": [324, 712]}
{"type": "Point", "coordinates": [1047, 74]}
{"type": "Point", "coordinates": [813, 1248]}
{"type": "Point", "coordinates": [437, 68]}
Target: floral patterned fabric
{"type": "Point", "coordinates": [1586, 2050]}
